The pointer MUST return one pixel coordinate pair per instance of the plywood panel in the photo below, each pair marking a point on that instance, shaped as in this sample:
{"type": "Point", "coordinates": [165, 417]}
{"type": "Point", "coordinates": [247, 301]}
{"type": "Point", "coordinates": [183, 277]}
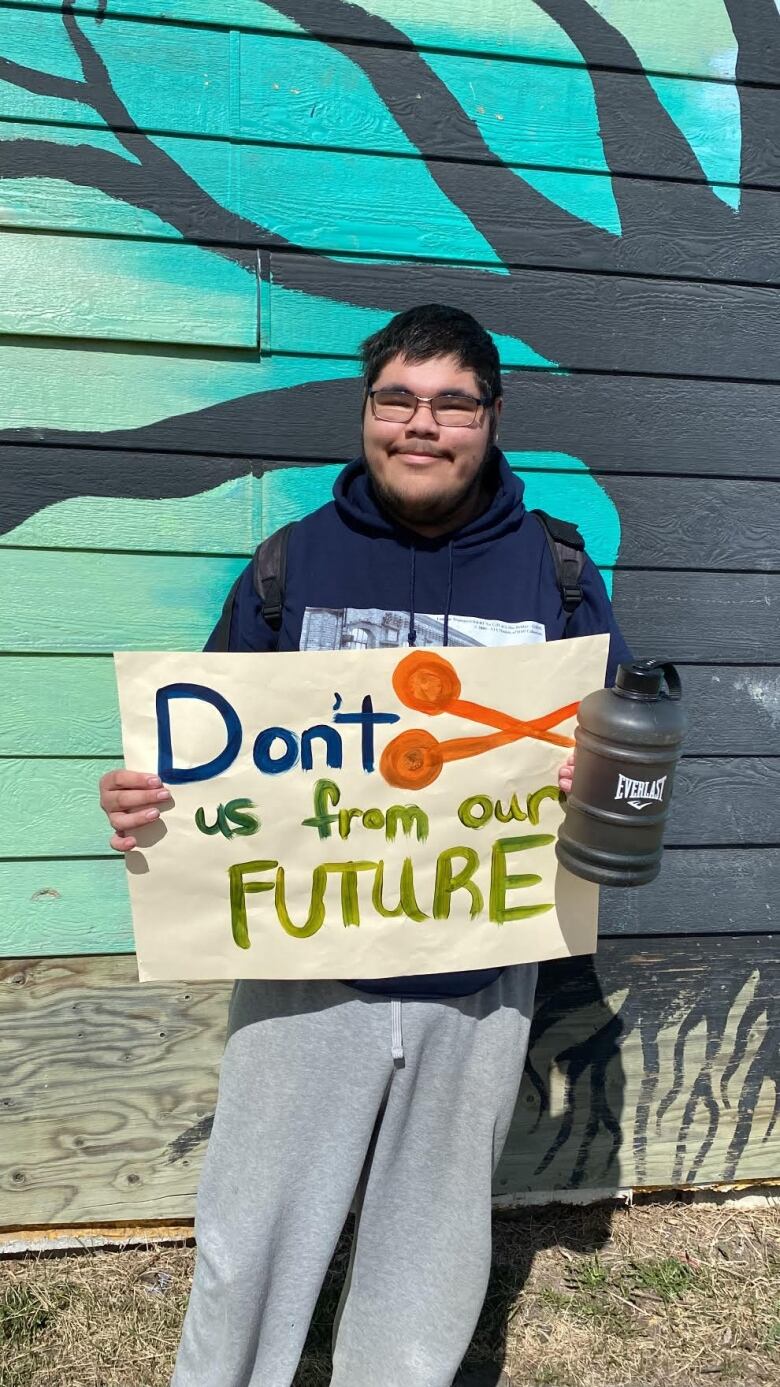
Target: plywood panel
{"type": "Point", "coordinates": [96, 1107]}
{"type": "Point", "coordinates": [113, 1084]}
{"type": "Point", "coordinates": [656, 1063]}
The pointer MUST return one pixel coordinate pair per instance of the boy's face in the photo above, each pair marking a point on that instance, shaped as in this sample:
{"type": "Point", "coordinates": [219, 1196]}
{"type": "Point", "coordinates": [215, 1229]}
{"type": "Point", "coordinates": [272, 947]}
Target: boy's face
{"type": "Point", "coordinates": [426, 474]}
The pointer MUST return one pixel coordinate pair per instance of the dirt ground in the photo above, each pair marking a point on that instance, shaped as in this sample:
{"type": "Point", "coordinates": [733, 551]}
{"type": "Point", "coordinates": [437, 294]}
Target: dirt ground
{"type": "Point", "coordinates": [661, 1293]}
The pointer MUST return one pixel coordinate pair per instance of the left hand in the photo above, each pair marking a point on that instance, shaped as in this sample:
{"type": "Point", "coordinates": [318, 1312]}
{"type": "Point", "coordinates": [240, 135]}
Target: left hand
{"type": "Point", "coordinates": [566, 774]}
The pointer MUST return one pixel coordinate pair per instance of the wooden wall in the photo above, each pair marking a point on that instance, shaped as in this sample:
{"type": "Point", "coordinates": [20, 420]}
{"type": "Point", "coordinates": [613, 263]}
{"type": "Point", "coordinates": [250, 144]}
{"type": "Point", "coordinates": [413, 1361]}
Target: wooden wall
{"type": "Point", "coordinates": [204, 207]}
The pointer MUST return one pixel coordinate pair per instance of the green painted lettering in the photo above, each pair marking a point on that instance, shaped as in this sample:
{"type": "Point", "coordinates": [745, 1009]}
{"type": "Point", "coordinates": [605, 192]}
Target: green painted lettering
{"type": "Point", "coordinates": [534, 801]}
{"type": "Point", "coordinates": [316, 916]}
{"type": "Point", "coordinates": [345, 820]}
{"type": "Point", "coordinates": [409, 816]}
{"type": "Point", "coordinates": [350, 906]}
{"type": "Point", "coordinates": [467, 815]}
{"type": "Point", "coordinates": [325, 792]}
{"type": "Point", "coordinates": [245, 824]}
{"type": "Point", "coordinates": [505, 816]}
{"type": "Point", "coordinates": [502, 881]}
{"type": "Point", "coordinates": [407, 904]}
{"type": "Point", "coordinates": [200, 822]}
{"type": "Point", "coordinates": [448, 882]}
{"type": "Point", "coordinates": [373, 818]}
{"type": "Point", "coordinates": [239, 888]}
{"type": "Point", "coordinates": [229, 814]}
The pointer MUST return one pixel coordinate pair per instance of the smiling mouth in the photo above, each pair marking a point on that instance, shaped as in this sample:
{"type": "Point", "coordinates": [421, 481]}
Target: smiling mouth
{"type": "Point", "coordinates": [419, 457]}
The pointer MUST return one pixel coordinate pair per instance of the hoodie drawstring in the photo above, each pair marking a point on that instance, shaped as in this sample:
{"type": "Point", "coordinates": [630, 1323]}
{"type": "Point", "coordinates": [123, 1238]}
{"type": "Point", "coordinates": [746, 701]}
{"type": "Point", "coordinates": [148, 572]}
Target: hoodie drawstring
{"type": "Point", "coordinates": [448, 602]}
{"type": "Point", "coordinates": [396, 1032]}
{"type": "Point", "coordinates": [412, 627]}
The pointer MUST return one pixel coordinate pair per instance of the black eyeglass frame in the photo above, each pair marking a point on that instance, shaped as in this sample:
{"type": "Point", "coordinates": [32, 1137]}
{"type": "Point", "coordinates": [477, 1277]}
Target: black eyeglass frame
{"type": "Point", "coordinates": [478, 400]}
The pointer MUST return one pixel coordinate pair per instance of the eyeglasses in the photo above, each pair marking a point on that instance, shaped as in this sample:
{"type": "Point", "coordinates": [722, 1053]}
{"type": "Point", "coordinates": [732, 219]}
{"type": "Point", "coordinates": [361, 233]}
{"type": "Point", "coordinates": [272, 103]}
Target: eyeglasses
{"type": "Point", "coordinates": [452, 409]}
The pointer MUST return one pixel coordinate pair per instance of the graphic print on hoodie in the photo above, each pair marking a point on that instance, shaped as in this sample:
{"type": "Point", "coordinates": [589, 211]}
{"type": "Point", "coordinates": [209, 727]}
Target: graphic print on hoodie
{"type": "Point", "coordinates": [358, 580]}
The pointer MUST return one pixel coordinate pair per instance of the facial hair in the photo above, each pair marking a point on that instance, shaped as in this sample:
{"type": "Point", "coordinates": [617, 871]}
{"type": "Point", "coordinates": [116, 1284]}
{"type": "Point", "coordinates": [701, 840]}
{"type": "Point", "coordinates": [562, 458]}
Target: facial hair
{"type": "Point", "coordinates": [424, 510]}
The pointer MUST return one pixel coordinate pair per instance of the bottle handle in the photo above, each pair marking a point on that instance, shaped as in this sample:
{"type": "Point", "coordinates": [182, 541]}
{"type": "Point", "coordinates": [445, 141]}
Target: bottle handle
{"type": "Point", "coordinates": [673, 681]}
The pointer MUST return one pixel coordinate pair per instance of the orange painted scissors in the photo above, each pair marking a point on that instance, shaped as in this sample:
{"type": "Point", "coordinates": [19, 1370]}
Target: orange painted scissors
{"type": "Point", "coordinates": [428, 683]}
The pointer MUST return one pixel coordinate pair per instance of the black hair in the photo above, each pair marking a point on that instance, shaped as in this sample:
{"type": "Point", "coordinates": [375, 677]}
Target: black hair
{"type": "Point", "coordinates": [430, 330]}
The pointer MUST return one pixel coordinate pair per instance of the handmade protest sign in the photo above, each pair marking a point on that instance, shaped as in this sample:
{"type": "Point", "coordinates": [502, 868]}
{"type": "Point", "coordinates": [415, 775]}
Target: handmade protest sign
{"type": "Point", "coordinates": [357, 814]}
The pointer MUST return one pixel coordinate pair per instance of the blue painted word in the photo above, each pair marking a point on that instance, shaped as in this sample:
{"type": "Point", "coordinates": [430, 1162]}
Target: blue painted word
{"type": "Point", "coordinates": [276, 749]}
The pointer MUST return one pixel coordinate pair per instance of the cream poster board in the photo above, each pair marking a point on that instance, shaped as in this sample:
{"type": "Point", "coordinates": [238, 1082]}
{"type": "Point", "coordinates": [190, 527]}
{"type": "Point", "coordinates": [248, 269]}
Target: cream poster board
{"type": "Point", "coordinates": [365, 814]}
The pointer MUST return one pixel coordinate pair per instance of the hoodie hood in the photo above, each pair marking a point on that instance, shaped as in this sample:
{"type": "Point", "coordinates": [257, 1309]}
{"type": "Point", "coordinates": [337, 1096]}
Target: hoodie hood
{"type": "Point", "coordinates": [358, 507]}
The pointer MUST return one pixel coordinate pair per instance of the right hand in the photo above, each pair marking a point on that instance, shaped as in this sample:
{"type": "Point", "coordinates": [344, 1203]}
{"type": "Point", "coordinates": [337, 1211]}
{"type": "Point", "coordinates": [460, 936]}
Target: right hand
{"type": "Point", "coordinates": [130, 799]}
{"type": "Point", "coordinates": [566, 775]}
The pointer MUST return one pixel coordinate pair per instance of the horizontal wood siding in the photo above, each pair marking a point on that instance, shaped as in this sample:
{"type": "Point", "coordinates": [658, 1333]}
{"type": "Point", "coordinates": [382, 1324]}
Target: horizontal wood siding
{"type": "Point", "coordinates": [197, 231]}
{"type": "Point", "coordinates": [714, 524]}
{"type": "Point", "coordinates": [96, 288]}
{"type": "Point", "coordinates": [177, 600]}
{"type": "Point", "coordinates": [659, 427]}
{"type": "Point", "coordinates": [64, 705]}
{"type": "Point", "coordinates": [58, 906]}
{"type": "Point", "coordinates": [53, 907]}
{"type": "Point", "coordinates": [717, 800]}
{"type": "Point", "coordinates": [502, 28]}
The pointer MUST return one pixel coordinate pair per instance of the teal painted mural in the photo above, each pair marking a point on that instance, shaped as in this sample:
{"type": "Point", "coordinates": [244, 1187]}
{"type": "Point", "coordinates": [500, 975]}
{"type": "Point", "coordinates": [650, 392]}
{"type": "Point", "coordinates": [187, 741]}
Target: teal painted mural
{"type": "Point", "coordinates": [140, 135]}
{"type": "Point", "coordinates": [204, 209]}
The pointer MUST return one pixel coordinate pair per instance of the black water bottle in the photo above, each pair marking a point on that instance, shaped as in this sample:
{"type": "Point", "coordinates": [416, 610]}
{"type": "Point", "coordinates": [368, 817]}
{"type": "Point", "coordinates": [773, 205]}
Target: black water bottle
{"type": "Point", "coordinates": [628, 744]}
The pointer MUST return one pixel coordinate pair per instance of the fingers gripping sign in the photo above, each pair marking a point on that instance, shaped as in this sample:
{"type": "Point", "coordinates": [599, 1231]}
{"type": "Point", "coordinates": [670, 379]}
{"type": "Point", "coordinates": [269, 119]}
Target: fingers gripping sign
{"type": "Point", "coordinates": [130, 799]}
{"type": "Point", "coordinates": [566, 775]}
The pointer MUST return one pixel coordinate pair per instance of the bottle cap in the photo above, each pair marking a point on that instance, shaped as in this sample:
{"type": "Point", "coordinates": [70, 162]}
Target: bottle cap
{"type": "Point", "coordinates": [645, 678]}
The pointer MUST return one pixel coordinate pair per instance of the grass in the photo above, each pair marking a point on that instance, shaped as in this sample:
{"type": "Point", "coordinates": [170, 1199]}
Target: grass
{"type": "Point", "coordinates": [23, 1314]}
{"type": "Point", "coordinates": [591, 1275]}
{"type": "Point", "coordinates": [668, 1277]}
{"type": "Point", "coordinates": [661, 1295]}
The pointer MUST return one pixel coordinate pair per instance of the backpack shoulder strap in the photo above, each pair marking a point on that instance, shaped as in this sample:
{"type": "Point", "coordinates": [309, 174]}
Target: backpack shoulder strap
{"type": "Point", "coordinates": [568, 554]}
{"type": "Point", "coordinates": [220, 636]}
{"type": "Point", "coordinates": [269, 574]}
{"type": "Point", "coordinates": [269, 571]}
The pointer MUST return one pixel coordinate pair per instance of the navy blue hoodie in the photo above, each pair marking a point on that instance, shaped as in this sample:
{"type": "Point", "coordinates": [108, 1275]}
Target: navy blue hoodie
{"type": "Point", "coordinates": [357, 579]}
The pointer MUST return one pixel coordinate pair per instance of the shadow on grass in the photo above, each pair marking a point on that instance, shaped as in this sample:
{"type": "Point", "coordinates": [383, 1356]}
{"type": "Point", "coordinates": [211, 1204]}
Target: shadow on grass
{"type": "Point", "coordinates": [517, 1239]}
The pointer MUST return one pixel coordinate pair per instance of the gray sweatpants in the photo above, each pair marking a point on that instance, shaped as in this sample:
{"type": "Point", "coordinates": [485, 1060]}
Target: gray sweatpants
{"type": "Point", "coordinates": [329, 1095]}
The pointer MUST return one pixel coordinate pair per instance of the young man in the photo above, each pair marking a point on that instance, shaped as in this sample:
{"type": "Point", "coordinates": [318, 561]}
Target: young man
{"type": "Point", "coordinates": [393, 1096]}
